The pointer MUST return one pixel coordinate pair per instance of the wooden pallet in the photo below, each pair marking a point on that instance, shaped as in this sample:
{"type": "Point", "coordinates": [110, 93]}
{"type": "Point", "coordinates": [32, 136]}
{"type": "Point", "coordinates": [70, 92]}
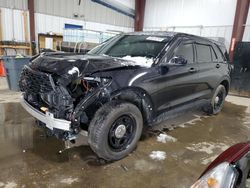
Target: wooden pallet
{"type": "Point", "coordinates": [18, 47]}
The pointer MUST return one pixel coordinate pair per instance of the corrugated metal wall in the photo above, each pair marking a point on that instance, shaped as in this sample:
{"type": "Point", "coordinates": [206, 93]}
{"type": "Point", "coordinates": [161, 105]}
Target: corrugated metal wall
{"type": "Point", "coordinates": [200, 17]}
{"type": "Point", "coordinates": [46, 23]}
{"type": "Point", "coordinates": [15, 4]}
{"type": "Point", "coordinates": [214, 32]}
{"type": "Point", "coordinates": [87, 10]}
{"type": "Point", "coordinates": [163, 13]}
{"type": "Point", "coordinates": [51, 15]}
{"type": "Point", "coordinates": [13, 24]}
{"type": "Point", "coordinates": [127, 3]}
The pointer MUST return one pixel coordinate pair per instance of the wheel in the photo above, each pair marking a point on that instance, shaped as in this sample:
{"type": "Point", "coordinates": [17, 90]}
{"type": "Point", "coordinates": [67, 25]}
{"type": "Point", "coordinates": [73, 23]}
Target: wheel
{"type": "Point", "coordinates": [217, 101]}
{"type": "Point", "coordinates": [115, 130]}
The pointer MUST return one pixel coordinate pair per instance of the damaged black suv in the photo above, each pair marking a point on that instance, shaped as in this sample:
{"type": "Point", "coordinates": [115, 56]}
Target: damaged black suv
{"type": "Point", "coordinates": [122, 85]}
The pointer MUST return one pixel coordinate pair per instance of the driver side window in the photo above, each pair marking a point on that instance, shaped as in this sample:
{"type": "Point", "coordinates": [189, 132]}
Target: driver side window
{"type": "Point", "coordinates": [185, 50]}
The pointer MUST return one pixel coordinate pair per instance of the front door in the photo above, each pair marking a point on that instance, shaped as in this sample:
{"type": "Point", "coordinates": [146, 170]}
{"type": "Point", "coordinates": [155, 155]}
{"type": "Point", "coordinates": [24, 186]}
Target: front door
{"type": "Point", "coordinates": [178, 84]}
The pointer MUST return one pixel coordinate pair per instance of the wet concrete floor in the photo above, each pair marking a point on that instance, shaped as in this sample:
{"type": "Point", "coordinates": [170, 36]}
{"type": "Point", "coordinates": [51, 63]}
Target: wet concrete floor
{"type": "Point", "coordinates": [29, 159]}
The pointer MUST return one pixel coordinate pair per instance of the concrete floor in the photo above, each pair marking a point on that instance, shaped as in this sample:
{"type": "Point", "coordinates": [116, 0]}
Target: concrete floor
{"type": "Point", "coordinates": [29, 159]}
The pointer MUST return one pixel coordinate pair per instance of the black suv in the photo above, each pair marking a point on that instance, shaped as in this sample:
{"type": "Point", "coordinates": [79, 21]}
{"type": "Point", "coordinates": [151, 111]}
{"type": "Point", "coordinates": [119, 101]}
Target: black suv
{"type": "Point", "coordinates": [122, 85]}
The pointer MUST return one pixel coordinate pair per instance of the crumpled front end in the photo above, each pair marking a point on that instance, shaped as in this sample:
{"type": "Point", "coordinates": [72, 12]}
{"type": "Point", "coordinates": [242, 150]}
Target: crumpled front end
{"type": "Point", "coordinates": [62, 103]}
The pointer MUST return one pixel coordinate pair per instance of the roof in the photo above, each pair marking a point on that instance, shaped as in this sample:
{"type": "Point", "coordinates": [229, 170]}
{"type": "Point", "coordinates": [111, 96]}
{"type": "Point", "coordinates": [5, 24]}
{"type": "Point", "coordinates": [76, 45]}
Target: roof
{"type": "Point", "coordinates": [156, 33]}
{"type": "Point", "coordinates": [171, 34]}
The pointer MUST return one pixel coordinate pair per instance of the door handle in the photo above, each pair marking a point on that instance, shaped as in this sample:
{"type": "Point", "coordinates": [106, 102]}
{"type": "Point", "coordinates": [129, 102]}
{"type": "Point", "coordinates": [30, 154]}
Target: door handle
{"type": "Point", "coordinates": [217, 65]}
{"type": "Point", "coordinates": [192, 70]}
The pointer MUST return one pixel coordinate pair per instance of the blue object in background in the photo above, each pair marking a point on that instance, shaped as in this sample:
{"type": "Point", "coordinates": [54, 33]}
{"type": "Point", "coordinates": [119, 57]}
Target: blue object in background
{"type": "Point", "coordinates": [13, 67]}
{"type": "Point", "coordinates": [72, 26]}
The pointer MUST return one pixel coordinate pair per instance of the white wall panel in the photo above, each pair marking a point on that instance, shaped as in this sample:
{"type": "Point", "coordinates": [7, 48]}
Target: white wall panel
{"type": "Point", "coordinates": [213, 18]}
{"type": "Point", "coordinates": [46, 23]}
{"type": "Point", "coordinates": [223, 33]}
{"type": "Point", "coordinates": [87, 10]}
{"type": "Point", "coordinates": [214, 32]}
{"type": "Point", "coordinates": [162, 13]}
{"type": "Point", "coordinates": [13, 24]}
{"type": "Point", "coordinates": [127, 3]}
{"type": "Point", "coordinates": [15, 4]}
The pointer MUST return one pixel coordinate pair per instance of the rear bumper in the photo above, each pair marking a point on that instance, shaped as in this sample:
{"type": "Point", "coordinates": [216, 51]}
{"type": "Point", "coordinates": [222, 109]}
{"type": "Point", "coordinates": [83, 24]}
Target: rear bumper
{"type": "Point", "coordinates": [47, 118]}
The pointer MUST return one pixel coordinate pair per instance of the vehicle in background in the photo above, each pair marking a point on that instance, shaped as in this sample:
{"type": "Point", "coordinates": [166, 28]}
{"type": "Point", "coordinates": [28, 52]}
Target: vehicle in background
{"type": "Point", "coordinates": [122, 85]}
{"type": "Point", "coordinates": [229, 170]}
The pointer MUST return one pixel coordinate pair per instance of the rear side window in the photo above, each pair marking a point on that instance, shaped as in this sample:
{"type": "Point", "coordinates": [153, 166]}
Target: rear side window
{"type": "Point", "coordinates": [214, 57]}
{"type": "Point", "coordinates": [185, 50]}
{"type": "Point", "coordinates": [203, 53]}
{"type": "Point", "coordinates": [219, 54]}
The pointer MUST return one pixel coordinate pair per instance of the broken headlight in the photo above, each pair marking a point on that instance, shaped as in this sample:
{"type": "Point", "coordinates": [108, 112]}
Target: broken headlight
{"type": "Point", "coordinates": [223, 175]}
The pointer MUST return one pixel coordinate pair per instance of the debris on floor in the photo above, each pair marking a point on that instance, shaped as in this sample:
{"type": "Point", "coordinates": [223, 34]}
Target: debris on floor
{"type": "Point", "coordinates": [164, 138]}
{"type": "Point", "coordinates": [69, 181]}
{"type": "Point", "coordinates": [158, 155]}
{"type": "Point", "coordinates": [124, 167]}
{"type": "Point", "coordinates": [8, 185]}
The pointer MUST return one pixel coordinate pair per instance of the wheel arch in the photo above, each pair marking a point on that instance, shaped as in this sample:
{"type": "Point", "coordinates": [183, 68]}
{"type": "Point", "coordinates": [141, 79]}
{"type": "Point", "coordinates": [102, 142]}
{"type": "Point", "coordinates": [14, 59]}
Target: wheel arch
{"type": "Point", "coordinates": [138, 97]}
{"type": "Point", "coordinates": [226, 84]}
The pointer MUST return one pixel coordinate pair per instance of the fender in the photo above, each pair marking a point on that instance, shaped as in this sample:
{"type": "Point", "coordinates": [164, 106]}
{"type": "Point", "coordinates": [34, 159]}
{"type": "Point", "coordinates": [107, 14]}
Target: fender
{"type": "Point", "coordinates": [97, 94]}
{"type": "Point", "coordinates": [140, 98]}
{"type": "Point", "coordinates": [224, 78]}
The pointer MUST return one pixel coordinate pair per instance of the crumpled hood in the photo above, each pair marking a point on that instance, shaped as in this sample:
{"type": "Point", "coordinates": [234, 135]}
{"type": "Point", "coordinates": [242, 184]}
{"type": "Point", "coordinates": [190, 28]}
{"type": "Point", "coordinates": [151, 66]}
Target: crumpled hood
{"type": "Point", "coordinates": [62, 63]}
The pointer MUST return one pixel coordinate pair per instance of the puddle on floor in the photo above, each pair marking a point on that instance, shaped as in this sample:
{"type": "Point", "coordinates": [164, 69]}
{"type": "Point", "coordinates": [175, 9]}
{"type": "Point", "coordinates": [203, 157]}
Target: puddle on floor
{"type": "Point", "coordinates": [28, 158]}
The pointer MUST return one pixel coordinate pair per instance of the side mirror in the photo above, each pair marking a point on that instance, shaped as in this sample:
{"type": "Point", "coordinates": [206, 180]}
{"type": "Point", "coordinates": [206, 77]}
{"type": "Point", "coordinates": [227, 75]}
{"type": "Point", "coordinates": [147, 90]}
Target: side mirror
{"type": "Point", "coordinates": [177, 60]}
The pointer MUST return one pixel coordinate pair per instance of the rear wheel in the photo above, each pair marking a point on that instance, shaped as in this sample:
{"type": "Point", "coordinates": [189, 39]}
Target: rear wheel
{"type": "Point", "coordinates": [115, 130]}
{"type": "Point", "coordinates": [217, 101]}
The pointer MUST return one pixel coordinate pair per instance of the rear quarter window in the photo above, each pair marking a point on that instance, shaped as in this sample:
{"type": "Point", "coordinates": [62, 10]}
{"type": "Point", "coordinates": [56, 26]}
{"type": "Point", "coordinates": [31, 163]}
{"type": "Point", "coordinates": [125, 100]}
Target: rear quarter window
{"type": "Point", "coordinates": [219, 54]}
{"type": "Point", "coordinates": [214, 56]}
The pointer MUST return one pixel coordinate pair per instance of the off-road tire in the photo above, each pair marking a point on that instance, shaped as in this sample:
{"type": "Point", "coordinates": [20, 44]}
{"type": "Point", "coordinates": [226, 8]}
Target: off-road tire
{"type": "Point", "coordinates": [102, 123]}
{"type": "Point", "coordinates": [211, 108]}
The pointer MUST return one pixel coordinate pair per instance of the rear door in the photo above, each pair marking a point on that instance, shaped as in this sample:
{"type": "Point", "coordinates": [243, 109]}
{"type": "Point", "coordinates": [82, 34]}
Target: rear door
{"type": "Point", "coordinates": [208, 64]}
{"type": "Point", "coordinates": [222, 63]}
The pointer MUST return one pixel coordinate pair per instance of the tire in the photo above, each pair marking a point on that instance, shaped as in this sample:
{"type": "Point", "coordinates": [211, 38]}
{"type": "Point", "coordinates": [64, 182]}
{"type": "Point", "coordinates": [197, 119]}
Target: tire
{"type": "Point", "coordinates": [115, 130]}
{"type": "Point", "coordinates": [217, 101]}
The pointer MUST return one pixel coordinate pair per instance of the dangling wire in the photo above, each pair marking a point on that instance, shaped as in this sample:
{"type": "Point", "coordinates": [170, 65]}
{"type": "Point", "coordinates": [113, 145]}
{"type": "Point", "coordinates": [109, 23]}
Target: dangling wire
{"type": "Point", "coordinates": [85, 85]}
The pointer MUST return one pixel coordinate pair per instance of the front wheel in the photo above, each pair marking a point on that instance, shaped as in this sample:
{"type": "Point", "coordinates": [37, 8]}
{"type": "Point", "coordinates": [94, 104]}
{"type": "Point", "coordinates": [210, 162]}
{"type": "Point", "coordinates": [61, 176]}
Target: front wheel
{"type": "Point", "coordinates": [115, 130]}
{"type": "Point", "coordinates": [217, 101]}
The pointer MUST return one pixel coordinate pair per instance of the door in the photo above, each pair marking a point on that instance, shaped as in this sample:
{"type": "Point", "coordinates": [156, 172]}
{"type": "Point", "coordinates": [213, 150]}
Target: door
{"type": "Point", "coordinates": [209, 68]}
{"type": "Point", "coordinates": [176, 85]}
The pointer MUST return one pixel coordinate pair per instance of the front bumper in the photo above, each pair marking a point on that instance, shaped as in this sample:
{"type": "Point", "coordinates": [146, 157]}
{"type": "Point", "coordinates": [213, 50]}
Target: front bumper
{"type": "Point", "coordinates": [47, 118]}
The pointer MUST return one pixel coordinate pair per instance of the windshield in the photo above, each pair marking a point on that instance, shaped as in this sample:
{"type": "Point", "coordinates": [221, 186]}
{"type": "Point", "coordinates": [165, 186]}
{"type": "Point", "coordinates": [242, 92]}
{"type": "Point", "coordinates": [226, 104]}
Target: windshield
{"type": "Point", "coordinates": [146, 46]}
